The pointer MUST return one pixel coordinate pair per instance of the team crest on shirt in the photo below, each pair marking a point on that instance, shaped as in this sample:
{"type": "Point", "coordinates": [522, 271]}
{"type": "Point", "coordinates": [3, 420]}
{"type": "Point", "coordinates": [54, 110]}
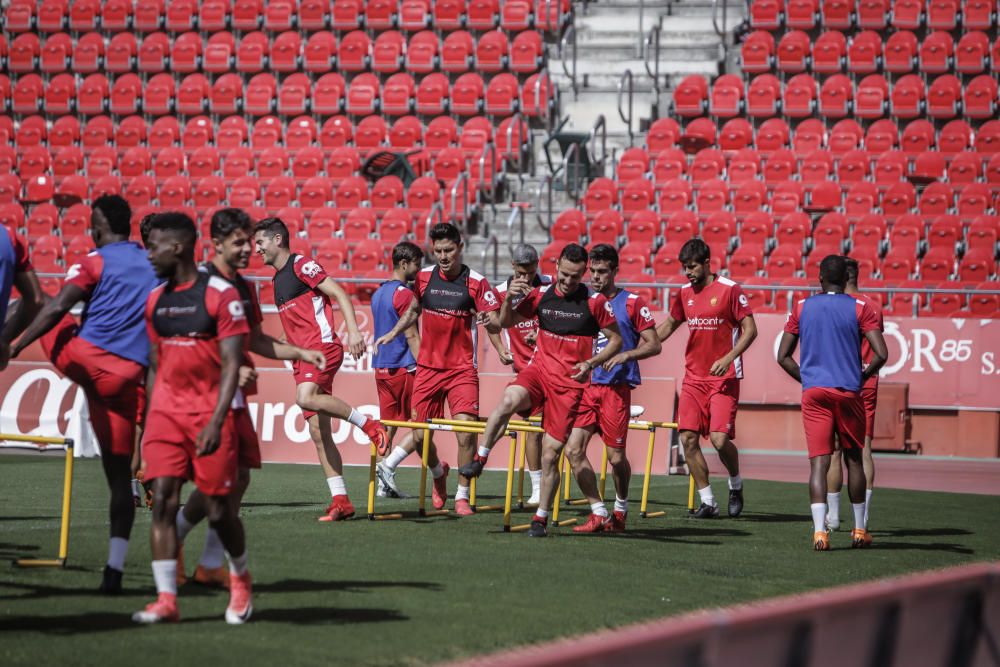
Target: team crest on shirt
{"type": "Point", "coordinates": [644, 311]}
{"type": "Point", "coordinates": [744, 301]}
{"type": "Point", "coordinates": [714, 300]}
{"type": "Point", "coordinates": [490, 298]}
{"type": "Point", "coordinates": [690, 302]}
{"type": "Point", "coordinates": [236, 310]}
{"type": "Point", "coordinates": [311, 269]}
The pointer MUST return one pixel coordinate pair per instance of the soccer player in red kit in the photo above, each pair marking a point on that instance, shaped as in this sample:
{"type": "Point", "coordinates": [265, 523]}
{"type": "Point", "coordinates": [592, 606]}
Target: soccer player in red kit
{"type": "Point", "coordinates": [232, 231]}
{"type": "Point", "coordinates": [831, 326]}
{"type": "Point", "coordinates": [869, 396]}
{"type": "Point", "coordinates": [453, 299]}
{"type": "Point", "coordinates": [16, 271]}
{"type": "Point", "coordinates": [721, 328]}
{"type": "Point", "coordinates": [569, 318]}
{"type": "Point", "coordinates": [607, 400]}
{"type": "Point", "coordinates": [304, 293]}
{"type": "Point", "coordinates": [198, 334]}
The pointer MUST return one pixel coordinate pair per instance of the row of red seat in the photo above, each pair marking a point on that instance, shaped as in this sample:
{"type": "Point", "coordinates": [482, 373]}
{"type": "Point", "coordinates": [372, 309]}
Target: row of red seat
{"type": "Point", "coordinates": [297, 94]}
{"type": "Point", "coordinates": [280, 15]}
{"type": "Point", "coordinates": [838, 97]}
{"type": "Point", "coordinates": [255, 52]}
{"type": "Point", "coordinates": [873, 14]}
{"type": "Point", "coordinates": [865, 53]}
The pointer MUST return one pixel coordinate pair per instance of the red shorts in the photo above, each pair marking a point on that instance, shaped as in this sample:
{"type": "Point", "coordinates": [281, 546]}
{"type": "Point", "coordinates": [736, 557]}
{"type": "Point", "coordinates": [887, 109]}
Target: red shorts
{"type": "Point", "coordinates": [111, 384]}
{"type": "Point", "coordinates": [561, 402]}
{"type": "Point", "coordinates": [869, 396]}
{"type": "Point", "coordinates": [395, 388]}
{"type": "Point", "coordinates": [827, 411]}
{"type": "Point", "coordinates": [303, 372]}
{"type": "Point", "coordinates": [168, 448]}
{"type": "Point", "coordinates": [432, 386]}
{"type": "Point", "coordinates": [140, 407]}
{"type": "Point", "coordinates": [608, 407]}
{"type": "Point", "coordinates": [246, 436]}
{"type": "Point", "coordinates": [708, 406]}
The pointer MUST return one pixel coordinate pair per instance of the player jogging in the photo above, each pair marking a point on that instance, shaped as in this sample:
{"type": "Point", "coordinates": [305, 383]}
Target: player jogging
{"type": "Point", "coordinates": [16, 271]}
{"type": "Point", "coordinates": [607, 401]}
{"type": "Point", "coordinates": [231, 231]}
{"type": "Point", "coordinates": [453, 299]}
{"type": "Point", "coordinates": [721, 328]}
{"type": "Point", "coordinates": [198, 333]}
{"type": "Point", "coordinates": [106, 355]}
{"type": "Point", "coordinates": [304, 293]}
{"type": "Point", "coordinates": [869, 396]}
{"type": "Point", "coordinates": [569, 318]}
{"type": "Point", "coordinates": [831, 326]}
{"type": "Point", "coordinates": [395, 362]}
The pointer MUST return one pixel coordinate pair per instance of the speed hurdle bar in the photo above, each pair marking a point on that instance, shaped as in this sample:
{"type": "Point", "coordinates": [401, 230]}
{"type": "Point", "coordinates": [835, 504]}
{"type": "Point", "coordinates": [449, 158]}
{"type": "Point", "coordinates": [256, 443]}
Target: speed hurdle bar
{"type": "Point", "coordinates": [67, 445]}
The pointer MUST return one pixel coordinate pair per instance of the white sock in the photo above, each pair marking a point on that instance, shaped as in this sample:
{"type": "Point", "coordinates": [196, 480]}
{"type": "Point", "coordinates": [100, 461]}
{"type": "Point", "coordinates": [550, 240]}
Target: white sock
{"type": "Point", "coordinates": [536, 481]}
{"type": "Point", "coordinates": [859, 515]}
{"type": "Point", "coordinates": [395, 457]}
{"type": "Point", "coordinates": [706, 496]}
{"type": "Point", "coordinates": [214, 553]}
{"type": "Point", "coordinates": [165, 575]}
{"type": "Point", "coordinates": [833, 501]}
{"type": "Point", "coordinates": [735, 483]}
{"type": "Point", "coordinates": [868, 504]}
{"type": "Point", "coordinates": [357, 418]}
{"type": "Point", "coordinates": [238, 564]}
{"type": "Point", "coordinates": [483, 451]}
{"type": "Point", "coordinates": [542, 514]}
{"type": "Point", "coordinates": [183, 526]}
{"type": "Point", "coordinates": [462, 493]}
{"type": "Point", "coordinates": [599, 509]}
{"type": "Point", "coordinates": [621, 504]}
{"type": "Point", "coordinates": [437, 471]}
{"type": "Point", "coordinates": [819, 516]}
{"type": "Point", "coordinates": [336, 484]}
{"type": "Point", "coordinates": [117, 550]}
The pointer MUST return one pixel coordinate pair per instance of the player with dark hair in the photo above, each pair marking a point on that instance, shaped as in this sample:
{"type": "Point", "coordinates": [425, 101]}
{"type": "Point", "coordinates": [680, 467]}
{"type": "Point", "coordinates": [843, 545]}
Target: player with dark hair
{"type": "Point", "coordinates": [831, 326]}
{"type": "Point", "coordinates": [869, 396]}
{"type": "Point", "coordinates": [569, 318]}
{"type": "Point", "coordinates": [395, 363]}
{"type": "Point", "coordinates": [607, 401]}
{"type": "Point", "coordinates": [198, 333]}
{"type": "Point", "coordinates": [231, 230]}
{"type": "Point", "coordinates": [453, 299]}
{"type": "Point", "coordinates": [304, 294]}
{"type": "Point", "coordinates": [721, 328]}
{"type": "Point", "coordinates": [144, 226]}
{"type": "Point", "coordinates": [107, 354]}
{"type": "Point", "coordinates": [16, 271]}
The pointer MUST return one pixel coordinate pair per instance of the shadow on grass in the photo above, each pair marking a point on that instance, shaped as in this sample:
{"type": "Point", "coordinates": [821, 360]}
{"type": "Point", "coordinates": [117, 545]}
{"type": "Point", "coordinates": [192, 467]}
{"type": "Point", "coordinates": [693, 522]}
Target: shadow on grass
{"type": "Point", "coordinates": [72, 624]}
{"type": "Point", "coordinates": [773, 517]}
{"type": "Point", "coordinates": [313, 586]}
{"type": "Point", "coordinates": [677, 535]}
{"type": "Point", "coordinates": [918, 546]}
{"type": "Point", "coordinates": [288, 504]}
{"type": "Point", "coordinates": [49, 517]}
{"type": "Point", "coordinates": [326, 616]}
{"type": "Point", "coordinates": [922, 532]}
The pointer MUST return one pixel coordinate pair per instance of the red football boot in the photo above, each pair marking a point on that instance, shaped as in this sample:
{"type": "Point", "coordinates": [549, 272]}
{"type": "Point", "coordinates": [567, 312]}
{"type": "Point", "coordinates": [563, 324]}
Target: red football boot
{"type": "Point", "coordinates": [239, 609]}
{"type": "Point", "coordinates": [340, 509]}
{"type": "Point", "coordinates": [595, 524]}
{"type": "Point", "coordinates": [439, 492]}
{"type": "Point", "coordinates": [616, 524]}
{"type": "Point", "coordinates": [164, 610]}
{"type": "Point", "coordinates": [463, 508]}
{"type": "Point", "coordinates": [378, 435]}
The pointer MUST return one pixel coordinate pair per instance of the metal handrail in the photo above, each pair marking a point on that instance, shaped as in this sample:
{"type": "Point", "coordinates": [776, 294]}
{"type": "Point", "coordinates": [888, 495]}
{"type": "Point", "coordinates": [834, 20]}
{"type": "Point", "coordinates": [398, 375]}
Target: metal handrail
{"type": "Point", "coordinates": [495, 244]}
{"type": "Point", "coordinates": [600, 126]}
{"type": "Point", "coordinates": [715, 22]}
{"type": "Point", "coordinates": [517, 121]}
{"type": "Point", "coordinates": [438, 208]}
{"type": "Point", "coordinates": [653, 40]}
{"type": "Point", "coordinates": [570, 32]}
{"type": "Point", "coordinates": [626, 76]}
{"type": "Point", "coordinates": [462, 180]}
{"type": "Point", "coordinates": [517, 214]}
{"type": "Point", "coordinates": [642, 16]}
{"type": "Point", "coordinates": [543, 75]}
{"type": "Point", "coordinates": [544, 187]}
{"type": "Point", "coordinates": [572, 152]}
{"type": "Point", "coordinates": [490, 150]}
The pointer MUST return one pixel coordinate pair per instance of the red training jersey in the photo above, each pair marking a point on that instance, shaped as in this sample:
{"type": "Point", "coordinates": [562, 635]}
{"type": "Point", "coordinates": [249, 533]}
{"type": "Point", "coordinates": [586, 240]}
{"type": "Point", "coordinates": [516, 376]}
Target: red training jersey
{"type": "Point", "coordinates": [185, 323]}
{"type": "Point", "coordinates": [713, 315]}
{"type": "Point", "coordinates": [567, 326]}
{"type": "Point", "coordinates": [306, 313]}
{"type": "Point", "coordinates": [449, 332]}
{"type": "Point", "coordinates": [866, 349]}
{"type": "Point", "coordinates": [517, 334]}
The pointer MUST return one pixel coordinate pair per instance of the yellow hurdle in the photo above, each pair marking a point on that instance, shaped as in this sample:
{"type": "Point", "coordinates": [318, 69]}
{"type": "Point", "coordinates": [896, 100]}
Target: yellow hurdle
{"type": "Point", "coordinates": [67, 444]}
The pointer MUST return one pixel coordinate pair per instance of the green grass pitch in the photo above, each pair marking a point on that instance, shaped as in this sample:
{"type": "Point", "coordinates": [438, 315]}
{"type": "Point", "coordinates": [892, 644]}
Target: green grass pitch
{"type": "Point", "coordinates": [419, 591]}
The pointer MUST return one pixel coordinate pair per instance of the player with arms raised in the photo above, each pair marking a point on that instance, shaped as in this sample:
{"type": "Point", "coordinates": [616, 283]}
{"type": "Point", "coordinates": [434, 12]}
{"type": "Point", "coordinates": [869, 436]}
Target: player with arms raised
{"type": "Point", "coordinates": [304, 293]}
{"type": "Point", "coordinates": [721, 328]}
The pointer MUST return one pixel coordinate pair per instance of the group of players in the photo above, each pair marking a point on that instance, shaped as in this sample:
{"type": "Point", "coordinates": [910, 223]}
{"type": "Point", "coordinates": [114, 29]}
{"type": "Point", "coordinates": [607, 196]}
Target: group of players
{"type": "Point", "coordinates": [162, 354]}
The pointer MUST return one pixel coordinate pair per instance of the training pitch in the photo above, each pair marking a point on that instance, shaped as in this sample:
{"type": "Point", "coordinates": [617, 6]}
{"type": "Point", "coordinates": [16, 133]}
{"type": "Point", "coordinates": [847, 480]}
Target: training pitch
{"type": "Point", "coordinates": [419, 591]}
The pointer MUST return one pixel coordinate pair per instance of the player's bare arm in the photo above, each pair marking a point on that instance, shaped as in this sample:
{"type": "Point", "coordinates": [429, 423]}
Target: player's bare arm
{"type": "Point", "coordinates": [230, 353]}
{"type": "Point", "coordinates": [516, 291]}
{"type": "Point", "coordinates": [272, 348]}
{"type": "Point", "coordinates": [506, 358]}
{"type": "Point", "coordinates": [53, 311]}
{"type": "Point", "coordinates": [665, 328]}
{"type": "Point", "coordinates": [412, 334]}
{"type": "Point", "coordinates": [406, 320]}
{"type": "Point", "coordinates": [880, 353]}
{"type": "Point", "coordinates": [649, 346]}
{"type": "Point", "coordinates": [248, 374]}
{"type": "Point", "coordinates": [355, 341]}
{"type": "Point", "coordinates": [21, 313]}
{"type": "Point", "coordinates": [748, 332]}
{"type": "Point", "coordinates": [582, 369]}
{"type": "Point", "coordinates": [786, 348]}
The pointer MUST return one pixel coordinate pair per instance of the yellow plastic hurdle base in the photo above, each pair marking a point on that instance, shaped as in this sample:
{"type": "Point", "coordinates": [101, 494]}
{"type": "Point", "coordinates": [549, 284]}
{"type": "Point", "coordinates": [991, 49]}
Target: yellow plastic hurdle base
{"type": "Point", "coordinates": [40, 562]}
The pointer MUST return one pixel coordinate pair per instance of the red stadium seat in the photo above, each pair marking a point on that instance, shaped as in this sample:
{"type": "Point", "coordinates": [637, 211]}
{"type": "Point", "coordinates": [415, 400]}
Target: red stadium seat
{"type": "Point", "coordinates": [355, 52]}
{"type": "Point", "coordinates": [901, 52]}
{"type": "Point", "coordinates": [767, 14]}
{"type": "Point", "coordinates": [944, 96]}
{"type": "Point", "coordinates": [433, 94]}
{"type": "Point", "coordinates": [457, 51]}
{"type": "Point", "coordinates": [829, 52]}
{"type": "Point", "coordinates": [387, 53]}
{"type": "Point", "coordinates": [320, 52]}
{"type": "Point", "coordinates": [936, 52]}
{"type": "Point", "coordinates": [467, 95]}
{"type": "Point", "coordinates": [802, 14]}
{"type": "Point", "coordinates": [837, 14]}
{"type": "Point", "coordinates": [691, 96]}
{"type": "Point", "coordinates": [219, 53]}
{"type": "Point", "coordinates": [980, 98]}
{"type": "Point", "coordinates": [422, 53]}
{"type": "Point", "coordinates": [88, 52]}
{"type": "Point", "coordinates": [757, 52]}
{"type": "Point", "coordinates": [942, 14]}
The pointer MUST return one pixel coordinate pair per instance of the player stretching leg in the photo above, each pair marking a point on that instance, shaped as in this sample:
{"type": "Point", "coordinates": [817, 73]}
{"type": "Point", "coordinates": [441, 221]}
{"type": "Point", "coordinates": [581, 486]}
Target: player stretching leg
{"type": "Point", "coordinates": [453, 299]}
{"type": "Point", "coordinates": [395, 363]}
{"type": "Point", "coordinates": [198, 334]}
{"type": "Point", "coordinates": [569, 318]}
{"type": "Point", "coordinates": [831, 326]}
{"type": "Point", "coordinates": [869, 396]}
{"type": "Point", "coordinates": [232, 231]}
{"type": "Point", "coordinates": [715, 309]}
{"type": "Point", "coordinates": [303, 293]}
{"type": "Point", "coordinates": [607, 400]}
{"type": "Point", "coordinates": [106, 355]}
